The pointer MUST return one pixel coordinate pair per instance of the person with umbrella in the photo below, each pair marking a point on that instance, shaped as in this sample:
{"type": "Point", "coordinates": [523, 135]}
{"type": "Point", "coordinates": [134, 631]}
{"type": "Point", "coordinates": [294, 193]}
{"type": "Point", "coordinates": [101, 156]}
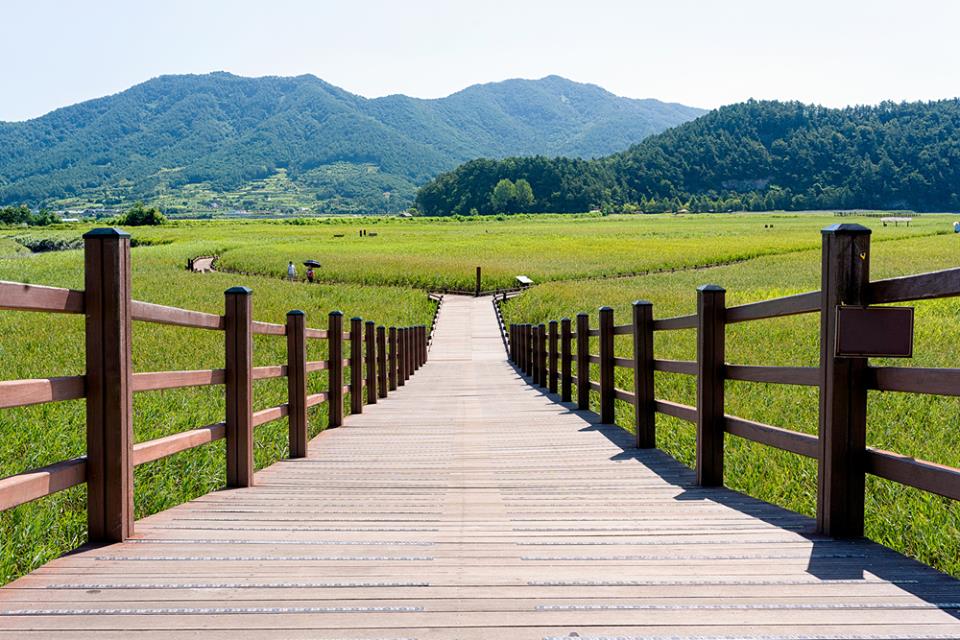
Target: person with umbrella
{"type": "Point", "coordinates": [310, 264]}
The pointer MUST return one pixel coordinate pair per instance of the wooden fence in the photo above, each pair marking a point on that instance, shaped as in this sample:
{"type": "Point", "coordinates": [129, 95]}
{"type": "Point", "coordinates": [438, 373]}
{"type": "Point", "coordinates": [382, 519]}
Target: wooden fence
{"type": "Point", "coordinates": [549, 352]}
{"type": "Point", "coordinates": [379, 360]}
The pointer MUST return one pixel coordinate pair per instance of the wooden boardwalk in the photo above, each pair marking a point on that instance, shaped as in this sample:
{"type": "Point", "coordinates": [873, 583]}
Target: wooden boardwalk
{"type": "Point", "coordinates": [471, 505]}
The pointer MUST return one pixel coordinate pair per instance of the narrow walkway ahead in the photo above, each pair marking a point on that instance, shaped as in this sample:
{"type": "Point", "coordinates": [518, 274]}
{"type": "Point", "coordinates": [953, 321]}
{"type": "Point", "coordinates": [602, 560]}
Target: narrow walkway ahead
{"type": "Point", "coordinates": [469, 505]}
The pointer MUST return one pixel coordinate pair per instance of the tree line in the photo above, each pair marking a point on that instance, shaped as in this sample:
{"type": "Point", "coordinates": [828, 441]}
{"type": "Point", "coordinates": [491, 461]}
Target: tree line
{"type": "Point", "coordinates": [757, 155]}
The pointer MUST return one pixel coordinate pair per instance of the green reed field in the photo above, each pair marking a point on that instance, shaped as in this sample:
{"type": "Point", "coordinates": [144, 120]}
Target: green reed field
{"type": "Point", "coordinates": [583, 262]}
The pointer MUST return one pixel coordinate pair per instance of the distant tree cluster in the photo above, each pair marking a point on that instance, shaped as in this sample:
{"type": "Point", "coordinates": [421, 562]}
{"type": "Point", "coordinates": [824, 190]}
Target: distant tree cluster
{"type": "Point", "coordinates": [753, 156]}
{"type": "Point", "coordinates": [141, 216]}
{"type": "Point", "coordinates": [22, 215]}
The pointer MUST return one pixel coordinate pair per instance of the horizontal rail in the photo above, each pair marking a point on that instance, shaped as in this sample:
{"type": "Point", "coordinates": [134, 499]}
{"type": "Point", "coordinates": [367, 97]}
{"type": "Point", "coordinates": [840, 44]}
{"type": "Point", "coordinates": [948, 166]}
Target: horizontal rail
{"type": "Point", "coordinates": [592, 359]}
{"type": "Point", "coordinates": [685, 367]}
{"type": "Point", "coordinates": [623, 330]}
{"type": "Point", "coordinates": [160, 314]}
{"type": "Point", "coordinates": [269, 415]}
{"type": "Point", "coordinates": [626, 363]}
{"type": "Point", "coordinates": [626, 396]}
{"type": "Point", "coordinates": [944, 382]}
{"type": "Point", "coordinates": [793, 441]}
{"type": "Point", "coordinates": [346, 335]}
{"type": "Point", "coordinates": [807, 376]}
{"type": "Point", "coordinates": [316, 334]}
{"type": "Point", "coordinates": [38, 483]}
{"type": "Point", "coordinates": [316, 398]}
{"type": "Point", "coordinates": [21, 393]}
{"type": "Point", "coordinates": [675, 409]}
{"type": "Point", "coordinates": [317, 365]}
{"type": "Point", "coordinates": [163, 447]}
{"type": "Point", "coordinates": [269, 329]}
{"type": "Point", "coordinates": [595, 386]}
{"type": "Point", "coordinates": [775, 308]}
{"type": "Point", "coordinates": [29, 297]}
{"type": "Point", "coordinates": [927, 476]}
{"type": "Point", "coordinates": [678, 322]}
{"type": "Point", "coordinates": [157, 380]}
{"type": "Point", "coordinates": [270, 371]}
{"type": "Point", "coordinates": [593, 332]}
{"type": "Point", "coordinates": [924, 286]}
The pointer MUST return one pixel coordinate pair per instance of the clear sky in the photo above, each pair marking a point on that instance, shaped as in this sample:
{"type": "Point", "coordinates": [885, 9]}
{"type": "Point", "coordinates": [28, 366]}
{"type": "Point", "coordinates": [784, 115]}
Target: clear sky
{"type": "Point", "coordinates": [701, 53]}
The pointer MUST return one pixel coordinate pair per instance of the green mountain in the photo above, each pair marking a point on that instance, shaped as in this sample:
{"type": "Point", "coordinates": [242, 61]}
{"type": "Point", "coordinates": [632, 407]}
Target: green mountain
{"type": "Point", "coordinates": [754, 155]}
{"type": "Point", "coordinates": [220, 140]}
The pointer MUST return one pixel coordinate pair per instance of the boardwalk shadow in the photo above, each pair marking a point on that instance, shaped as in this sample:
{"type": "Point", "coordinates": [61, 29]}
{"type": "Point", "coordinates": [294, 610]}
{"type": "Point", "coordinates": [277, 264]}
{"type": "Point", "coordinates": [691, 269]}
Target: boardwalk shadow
{"type": "Point", "coordinates": [829, 559]}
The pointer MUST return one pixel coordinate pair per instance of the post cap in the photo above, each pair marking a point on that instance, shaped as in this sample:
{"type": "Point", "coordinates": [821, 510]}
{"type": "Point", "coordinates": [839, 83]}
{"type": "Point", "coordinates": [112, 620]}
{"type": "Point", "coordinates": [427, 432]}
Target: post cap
{"type": "Point", "coordinates": [336, 313]}
{"type": "Point", "coordinates": [106, 232]}
{"type": "Point", "coordinates": [642, 303]}
{"type": "Point", "coordinates": [606, 309]}
{"type": "Point", "coordinates": [711, 287]}
{"type": "Point", "coordinates": [235, 291]}
{"type": "Point", "coordinates": [846, 228]}
{"type": "Point", "coordinates": [356, 319]}
{"type": "Point", "coordinates": [553, 322]}
{"type": "Point", "coordinates": [295, 312]}
{"type": "Point", "coordinates": [370, 322]}
{"type": "Point", "coordinates": [583, 314]}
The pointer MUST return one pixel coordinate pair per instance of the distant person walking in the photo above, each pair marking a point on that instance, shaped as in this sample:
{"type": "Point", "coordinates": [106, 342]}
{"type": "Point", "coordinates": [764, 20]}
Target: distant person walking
{"type": "Point", "coordinates": [291, 272]}
{"type": "Point", "coordinates": [309, 274]}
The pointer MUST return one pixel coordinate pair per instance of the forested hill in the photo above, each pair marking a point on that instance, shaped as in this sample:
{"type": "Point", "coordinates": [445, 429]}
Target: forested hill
{"type": "Point", "coordinates": [754, 156]}
{"type": "Point", "coordinates": [301, 142]}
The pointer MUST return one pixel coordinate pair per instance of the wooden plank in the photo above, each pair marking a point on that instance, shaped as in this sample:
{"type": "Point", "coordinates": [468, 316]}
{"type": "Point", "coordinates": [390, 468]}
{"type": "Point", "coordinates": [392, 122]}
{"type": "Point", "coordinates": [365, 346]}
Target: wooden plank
{"type": "Point", "coordinates": [624, 363]}
{"type": "Point", "coordinates": [158, 380]}
{"type": "Point", "coordinates": [317, 365]}
{"type": "Point", "coordinates": [944, 382]}
{"type": "Point", "coordinates": [924, 286]}
{"type": "Point", "coordinates": [673, 324]}
{"type": "Point", "coordinates": [806, 376]}
{"type": "Point", "coordinates": [269, 415]}
{"type": "Point", "coordinates": [623, 330]}
{"type": "Point", "coordinates": [160, 314]}
{"type": "Point", "coordinates": [677, 410]}
{"type": "Point", "coordinates": [151, 450]}
{"type": "Point", "coordinates": [316, 334]}
{"type": "Point", "coordinates": [21, 393]}
{"type": "Point", "coordinates": [316, 398]}
{"type": "Point", "coordinates": [793, 441]}
{"type": "Point", "coordinates": [776, 308]}
{"type": "Point", "coordinates": [37, 483]}
{"type": "Point", "coordinates": [268, 329]}
{"type": "Point", "coordinates": [626, 396]}
{"type": "Point", "coordinates": [269, 371]}
{"type": "Point", "coordinates": [19, 296]}
{"type": "Point", "coordinates": [686, 367]}
{"type": "Point", "coordinates": [928, 476]}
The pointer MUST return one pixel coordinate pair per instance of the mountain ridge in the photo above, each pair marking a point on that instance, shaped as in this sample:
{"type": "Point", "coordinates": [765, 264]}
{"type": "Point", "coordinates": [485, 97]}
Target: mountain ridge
{"type": "Point", "coordinates": [185, 138]}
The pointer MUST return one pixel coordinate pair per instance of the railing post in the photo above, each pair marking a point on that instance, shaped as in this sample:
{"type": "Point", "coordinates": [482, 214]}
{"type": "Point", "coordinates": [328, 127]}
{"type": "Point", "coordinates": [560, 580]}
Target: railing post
{"type": "Point", "coordinates": [542, 354]}
{"type": "Point", "coordinates": [382, 361]}
{"type": "Point", "coordinates": [526, 332]}
{"type": "Point", "coordinates": [553, 337]}
{"type": "Point", "coordinates": [238, 322]}
{"type": "Point", "coordinates": [335, 377]}
{"type": "Point", "coordinates": [478, 283]}
{"type": "Point", "coordinates": [644, 411]}
{"type": "Point", "coordinates": [406, 354]}
{"type": "Point", "coordinates": [109, 385]}
{"type": "Point", "coordinates": [297, 383]}
{"type": "Point", "coordinates": [583, 361]}
{"type": "Point", "coordinates": [356, 365]}
{"type": "Point", "coordinates": [843, 394]}
{"type": "Point", "coordinates": [710, 357]}
{"type": "Point", "coordinates": [370, 342]}
{"type": "Point", "coordinates": [423, 344]}
{"type": "Point", "coordinates": [606, 365]}
{"type": "Point", "coordinates": [401, 356]}
{"type": "Point", "coordinates": [535, 353]}
{"type": "Point", "coordinates": [566, 382]}
{"type": "Point", "coordinates": [392, 360]}
{"type": "Point", "coordinates": [531, 349]}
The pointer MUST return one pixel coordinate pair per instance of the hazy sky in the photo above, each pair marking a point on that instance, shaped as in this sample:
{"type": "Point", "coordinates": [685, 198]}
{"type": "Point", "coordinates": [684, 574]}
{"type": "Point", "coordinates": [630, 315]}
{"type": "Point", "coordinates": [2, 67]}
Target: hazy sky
{"type": "Point", "coordinates": [700, 53]}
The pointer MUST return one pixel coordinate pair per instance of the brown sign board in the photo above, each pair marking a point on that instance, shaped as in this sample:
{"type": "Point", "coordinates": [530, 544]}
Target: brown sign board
{"type": "Point", "coordinates": [880, 332]}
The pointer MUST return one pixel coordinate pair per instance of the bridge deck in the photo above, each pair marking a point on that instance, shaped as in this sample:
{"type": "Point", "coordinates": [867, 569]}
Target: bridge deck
{"type": "Point", "coordinates": [470, 505]}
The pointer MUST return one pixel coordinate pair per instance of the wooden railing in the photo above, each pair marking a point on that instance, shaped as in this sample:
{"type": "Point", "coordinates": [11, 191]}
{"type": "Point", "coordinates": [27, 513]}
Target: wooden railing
{"type": "Point", "coordinates": [380, 360]}
{"type": "Point", "coordinates": [549, 352]}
